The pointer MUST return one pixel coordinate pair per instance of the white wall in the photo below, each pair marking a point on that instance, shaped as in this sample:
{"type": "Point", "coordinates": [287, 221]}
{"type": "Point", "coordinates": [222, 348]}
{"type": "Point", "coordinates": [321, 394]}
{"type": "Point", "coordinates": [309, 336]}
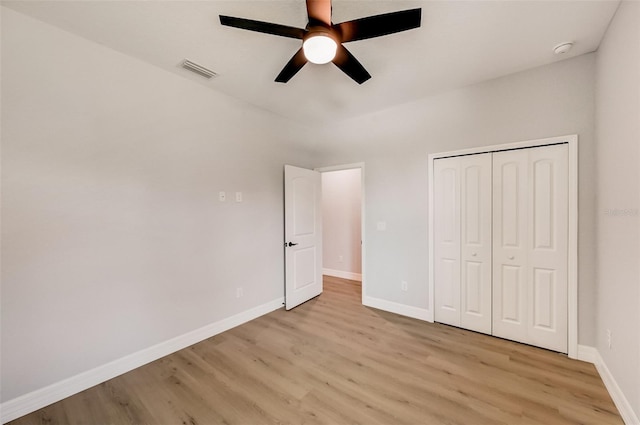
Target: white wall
{"type": "Point", "coordinates": [113, 239]}
{"type": "Point", "coordinates": [341, 221]}
{"type": "Point", "coordinates": [553, 100]}
{"type": "Point", "coordinates": [618, 199]}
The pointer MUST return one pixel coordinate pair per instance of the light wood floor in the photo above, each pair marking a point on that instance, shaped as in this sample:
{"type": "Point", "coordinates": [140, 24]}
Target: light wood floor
{"type": "Point", "coordinates": [333, 361]}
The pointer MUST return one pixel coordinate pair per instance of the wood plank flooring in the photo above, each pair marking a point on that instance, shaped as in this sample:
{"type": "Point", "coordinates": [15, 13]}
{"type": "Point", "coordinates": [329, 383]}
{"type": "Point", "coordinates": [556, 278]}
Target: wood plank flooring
{"type": "Point", "coordinates": [334, 361]}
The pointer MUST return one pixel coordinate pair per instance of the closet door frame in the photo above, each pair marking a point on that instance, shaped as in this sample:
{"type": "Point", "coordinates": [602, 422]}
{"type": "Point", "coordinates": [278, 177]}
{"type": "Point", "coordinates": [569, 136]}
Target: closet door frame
{"type": "Point", "coordinates": [572, 282]}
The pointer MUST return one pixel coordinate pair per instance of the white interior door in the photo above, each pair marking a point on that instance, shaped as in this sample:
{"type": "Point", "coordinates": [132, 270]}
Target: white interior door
{"type": "Point", "coordinates": [475, 242]}
{"type": "Point", "coordinates": [463, 241]}
{"type": "Point", "coordinates": [303, 235]}
{"type": "Point", "coordinates": [548, 247]}
{"type": "Point", "coordinates": [447, 240]}
{"type": "Point", "coordinates": [530, 255]}
{"type": "Point", "coordinates": [509, 244]}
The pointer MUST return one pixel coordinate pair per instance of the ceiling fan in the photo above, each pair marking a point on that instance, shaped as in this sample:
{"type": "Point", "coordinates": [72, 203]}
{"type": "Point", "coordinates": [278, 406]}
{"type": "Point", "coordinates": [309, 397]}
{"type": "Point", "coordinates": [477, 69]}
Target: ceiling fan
{"type": "Point", "coordinates": [322, 40]}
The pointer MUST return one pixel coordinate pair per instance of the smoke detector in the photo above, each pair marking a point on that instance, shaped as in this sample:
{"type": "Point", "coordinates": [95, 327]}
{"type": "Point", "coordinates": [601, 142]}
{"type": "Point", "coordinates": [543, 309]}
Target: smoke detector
{"type": "Point", "coordinates": [563, 48]}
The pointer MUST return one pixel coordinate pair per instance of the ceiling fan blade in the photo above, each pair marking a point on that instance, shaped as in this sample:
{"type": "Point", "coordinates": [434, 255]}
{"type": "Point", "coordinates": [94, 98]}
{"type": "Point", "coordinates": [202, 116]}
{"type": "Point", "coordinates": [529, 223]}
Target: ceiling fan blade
{"type": "Point", "coordinates": [350, 65]}
{"type": "Point", "coordinates": [319, 12]}
{"type": "Point", "coordinates": [379, 25]}
{"type": "Point", "coordinates": [265, 27]}
{"type": "Point", "coordinates": [292, 67]}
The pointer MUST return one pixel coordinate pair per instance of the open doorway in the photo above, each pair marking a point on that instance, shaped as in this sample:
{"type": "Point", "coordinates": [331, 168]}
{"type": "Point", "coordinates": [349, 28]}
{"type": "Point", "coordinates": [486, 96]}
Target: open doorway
{"type": "Point", "coordinates": [342, 219]}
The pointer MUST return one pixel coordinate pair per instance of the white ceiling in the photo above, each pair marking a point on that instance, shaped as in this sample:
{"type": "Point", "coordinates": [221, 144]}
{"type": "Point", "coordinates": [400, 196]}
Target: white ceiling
{"type": "Point", "coordinates": [459, 43]}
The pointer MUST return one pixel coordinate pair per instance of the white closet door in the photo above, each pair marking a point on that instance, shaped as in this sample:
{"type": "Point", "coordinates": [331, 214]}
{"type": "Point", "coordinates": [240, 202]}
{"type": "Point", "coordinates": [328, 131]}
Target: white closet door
{"type": "Point", "coordinates": [530, 221]}
{"type": "Point", "coordinates": [548, 247]}
{"type": "Point", "coordinates": [447, 240]}
{"type": "Point", "coordinates": [475, 237]}
{"type": "Point", "coordinates": [509, 244]}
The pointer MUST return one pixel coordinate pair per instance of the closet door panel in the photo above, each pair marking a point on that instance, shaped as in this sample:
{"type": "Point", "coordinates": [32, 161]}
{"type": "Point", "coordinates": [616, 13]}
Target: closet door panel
{"type": "Point", "coordinates": [475, 237]}
{"type": "Point", "coordinates": [510, 201]}
{"type": "Point", "coordinates": [447, 240]}
{"type": "Point", "coordinates": [548, 247]}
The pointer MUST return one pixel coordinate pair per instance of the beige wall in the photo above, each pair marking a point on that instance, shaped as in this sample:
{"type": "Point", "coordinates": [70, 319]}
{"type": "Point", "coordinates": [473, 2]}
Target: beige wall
{"type": "Point", "coordinates": [113, 238]}
{"type": "Point", "coordinates": [341, 222]}
{"type": "Point", "coordinates": [618, 195]}
{"type": "Point", "coordinates": [553, 100]}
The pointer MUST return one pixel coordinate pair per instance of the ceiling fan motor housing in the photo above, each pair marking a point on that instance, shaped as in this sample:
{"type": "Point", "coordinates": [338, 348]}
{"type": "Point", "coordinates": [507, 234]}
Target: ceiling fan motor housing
{"type": "Point", "coordinates": [320, 30]}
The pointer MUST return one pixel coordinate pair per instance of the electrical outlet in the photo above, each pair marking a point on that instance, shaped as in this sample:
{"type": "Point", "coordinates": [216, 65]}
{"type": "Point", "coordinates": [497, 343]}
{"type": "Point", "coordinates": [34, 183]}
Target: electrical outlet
{"type": "Point", "coordinates": [404, 285]}
{"type": "Point", "coordinates": [239, 292]}
{"type": "Point", "coordinates": [609, 338]}
{"type": "Point", "coordinates": [222, 196]}
{"type": "Point", "coordinates": [238, 196]}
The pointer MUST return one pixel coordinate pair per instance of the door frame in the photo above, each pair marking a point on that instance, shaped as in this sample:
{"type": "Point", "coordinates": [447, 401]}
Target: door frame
{"type": "Point", "coordinates": [352, 166]}
{"type": "Point", "coordinates": [572, 281]}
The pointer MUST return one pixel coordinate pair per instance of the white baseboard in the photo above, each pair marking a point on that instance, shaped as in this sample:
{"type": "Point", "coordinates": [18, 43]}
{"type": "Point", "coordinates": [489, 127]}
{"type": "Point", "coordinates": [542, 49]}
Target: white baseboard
{"type": "Point", "coordinates": [393, 307]}
{"type": "Point", "coordinates": [38, 399]}
{"type": "Point", "coordinates": [592, 355]}
{"type": "Point", "coordinates": [343, 275]}
{"type": "Point", "coordinates": [587, 354]}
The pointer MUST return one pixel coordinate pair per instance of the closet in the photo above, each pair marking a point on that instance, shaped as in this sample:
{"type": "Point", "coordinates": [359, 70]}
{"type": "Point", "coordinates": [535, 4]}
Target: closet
{"type": "Point", "coordinates": [501, 244]}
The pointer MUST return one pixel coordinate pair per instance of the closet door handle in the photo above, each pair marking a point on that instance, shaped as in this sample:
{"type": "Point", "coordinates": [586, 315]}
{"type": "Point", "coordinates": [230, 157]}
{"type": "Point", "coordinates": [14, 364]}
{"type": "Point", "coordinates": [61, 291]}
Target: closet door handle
{"type": "Point", "coordinates": [511, 257]}
{"type": "Point", "coordinates": [291, 244]}
{"type": "Point", "coordinates": [474, 254]}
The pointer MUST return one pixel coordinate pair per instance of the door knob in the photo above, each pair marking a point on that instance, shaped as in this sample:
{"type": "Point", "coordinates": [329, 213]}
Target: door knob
{"type": "Point", "coordinates": [474, 254]}
{"type": "Point", "coordinates": [511, 257]}
{"type": "Point", "coordinates": [291, 244]}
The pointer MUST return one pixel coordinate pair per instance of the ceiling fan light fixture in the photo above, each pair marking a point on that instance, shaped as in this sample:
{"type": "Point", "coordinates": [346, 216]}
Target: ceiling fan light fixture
{"type": "Point", "coordinates": [319, 48]}
{"type": "Point", "coordinates": [322, 40]}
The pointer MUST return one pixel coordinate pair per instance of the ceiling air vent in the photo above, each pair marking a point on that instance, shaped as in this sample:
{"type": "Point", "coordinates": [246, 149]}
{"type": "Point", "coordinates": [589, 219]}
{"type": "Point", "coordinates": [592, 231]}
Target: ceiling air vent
{"type": "Point", "coordinates": [198, 69]}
